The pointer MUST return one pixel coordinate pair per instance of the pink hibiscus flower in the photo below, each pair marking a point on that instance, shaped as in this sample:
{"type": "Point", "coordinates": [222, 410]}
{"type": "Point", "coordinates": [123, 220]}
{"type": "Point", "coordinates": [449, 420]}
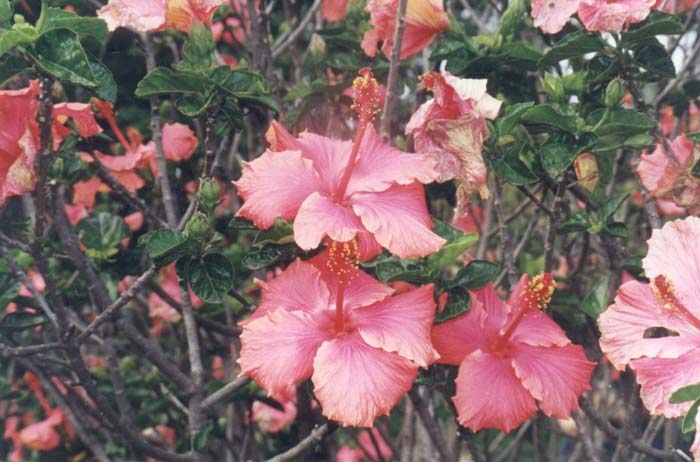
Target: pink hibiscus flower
{"type": "Point", "coordinates": [179, 143]}
{"type": "Point", "coordinates": [424, 20]}
{"type": "Point", "coordinates": [511, 358]}
{"type": "Point", "coordinates": [334, 10]}
{"type": "Point", "coordinates": [451, 128]}
{"type": "Point", "coordinates": [342, 189]}
{"type": "Point", "coordinates": [154, 15]}
{"type": "Point", "coordinates": [669, 178]}
{"type": "Point", "coordinates": [330, 322]}
{"type": "Point", "coordinates": [272, 420]}
{"type": "Point", "coordinates": [19, 135]}
{"type": "Point", "coordinates": [670, 303]}
{"type": "Point", "coordinates": [596, 15]}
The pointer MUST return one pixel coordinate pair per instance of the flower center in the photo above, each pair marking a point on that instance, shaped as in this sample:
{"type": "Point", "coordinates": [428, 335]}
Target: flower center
{"type": "Point", "coordinates": [366, 103]}
{"type": "Point", "coordinates": [537, 296]}
{"type": "Point", "coordinates": [668, 301]}
{"type": "Point", "coordinates": [343, 261]}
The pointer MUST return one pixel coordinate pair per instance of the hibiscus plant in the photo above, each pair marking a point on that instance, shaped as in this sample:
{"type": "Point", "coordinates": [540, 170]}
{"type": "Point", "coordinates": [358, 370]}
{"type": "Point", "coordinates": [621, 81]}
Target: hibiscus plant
{"type": "Point", "coordinates": [350, 230]}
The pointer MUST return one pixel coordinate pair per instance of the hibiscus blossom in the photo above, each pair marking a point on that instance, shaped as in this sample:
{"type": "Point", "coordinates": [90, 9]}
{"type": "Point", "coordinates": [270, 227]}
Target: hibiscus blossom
{"type": "Point", "coordinates": [341, 189]}
{"type": "Point", "coordinates": [334, 10]}
{"type": "Point", "coordinates": [154, 15]}
{"type": "Point", "coordinates": [424, 20]}
{"type": "Point", "coordinates": [330, 322]}
{"type": "Point", "coordinates": [596, 15]}
{"type": "Point", "coordinates": [451, 128]}
{"type": "Point", "coordinates": [19, 135]}
{"type": "Point", "coordinates": [669, 307]}
{"type": "Point", "coordinates": [672, 178]}
{"type": "Point", "coordinates": [511, 358]}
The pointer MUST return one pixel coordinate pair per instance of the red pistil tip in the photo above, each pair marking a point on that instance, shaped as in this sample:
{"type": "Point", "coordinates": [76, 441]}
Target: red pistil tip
{"type": "Point", "coordinates": [343, 260]}
{"type": "Point", "coordinates": [366, 95]}
{"type": "Point", "coordinates": [429, 80]}
{"type": "Point", "coordinates": [539, 291]}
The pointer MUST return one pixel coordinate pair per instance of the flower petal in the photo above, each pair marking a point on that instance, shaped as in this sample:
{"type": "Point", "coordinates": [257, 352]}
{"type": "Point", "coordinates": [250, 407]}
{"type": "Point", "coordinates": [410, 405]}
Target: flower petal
{"type": "Point", "coordinates": [555, 376]}
{"type": "Point", "coordinates": [458, 337]}
{"type": "Point", "coordinates": [278, 349]}
{"type": "Point", "coordinates": [274, 185]}
{"type": "Point", "coordinates": [400, 324]}
{"type": "Point", "coordinates": [399, 220]}
{"type": "Point", "coordinates": [179, 141]}
{"type": "Point", "coordinates": [489, 395]}
{"type": "Point", "coordinates": [355, 383]}
{"type": "Point", "coordinates": [538, 329]}
{"type": "Point", "coordinates": [319, 216]}
{"type": "Point", "coordinates": [552, 15]}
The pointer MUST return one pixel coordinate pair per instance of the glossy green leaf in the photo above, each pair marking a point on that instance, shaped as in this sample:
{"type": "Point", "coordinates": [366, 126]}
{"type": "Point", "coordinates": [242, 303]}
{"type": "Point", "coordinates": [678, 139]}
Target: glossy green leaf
{"type": "Point", "coordinates": [557, 156]}
{"type": "Point", "coordinates": [9, 288]}
{"type": "Point", "coordinates": [621, 122]}
{"type": "Point", "coordinates": [611, 205]}
{"type": "Point", "coordinates": [508, 164]}
{"type": "Point", "coordinates": [162, 80]}
{"type": "Point", "coordinates": [5, 10]}
{"type": "Point", "coordinates": [58, 18]}
{"type": "Point", "coordinates": [244, 85]}
{"type": "Point", "coordinates": [457, 243]}
{"type": "Point", "coordinates": [165, 245]}
{"type": "Point", "coordinates": [20, 34]}
{"type": "Point", "coordinates": [688, 424]}
{"type": "Point", "coordinates": [198, 52]}
{"type": "Point", "coordinates": [106, 86]}
{"type": "Point", "coordinates": [597, 299]}
{"type": "Point", "coordinates": [60, 54]}
{"type": "Point", "coordinates": [476, 275]}
{"type": "Point", "coordinates": [280, 233]}
{"type": "Point", "coordinates": [261, 258]}
{"type": "Point", "coordinates": [101, 233]}
{"type": "Point", "coordinates": [458, 302]}
{"type": "Point", "coordinates": [657, 23]}
{"type": "Point", "coordinates": [194, 105]}
{"type": "Point", "coordinates": [573, 45]}
{"type": "Point", "coordinates": [512, 17]}
{"type": "Point", "coordinates": [505, 123]}
{"type": "Point", "coordinates": [546, 114]}
{"type": "Point", "coordinates": [210, 277]}
{"type": "Point", "coordinates": [655, 59]}
{"type": "Point", "coordinates": [389, 268]}
{"type": "Point", "coordinates": [685, 394]}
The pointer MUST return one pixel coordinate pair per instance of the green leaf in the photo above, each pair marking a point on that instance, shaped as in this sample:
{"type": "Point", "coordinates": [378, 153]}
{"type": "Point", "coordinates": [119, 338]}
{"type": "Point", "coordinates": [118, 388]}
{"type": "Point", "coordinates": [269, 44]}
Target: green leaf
{"type": "Point", "coordinates": [9, 288]}
{"type": "Point", "coordinates": [546, 114]}
{"type": "Point", "coordinates": [11, 66]}
{"type": "Point", "coordinates": [200, 440]}
{"type": "Point", "coordinates": [475, 275]}
{"type": "Point", "coordinates": [572, 46]}
{"type": "Point", "coordinates": [688, 424]}
{"type": "Point", "coordinates": [280, 233]}
{"type": "Point", "coordinates": [246, 86]}
{"type": "Point", "coordinates": [654, 58]}
{"type": "Point", "coordinates": [5, 10]}
{"type": "Point", "coordinates": [198, 52]}
{"type": "Point", "coordinates": [165, 245]}
{"type": "Point", "coordinates": [611, 205]}
{"type": "Point", "coordinates": [389, 268]}
{"type": "Point", "coordinates": [457, 243]}
{"type": "Point", "coordinates": [60, 54]}
{"type": "Point", "coordinates": [621, 122]}
{"type": "Point", "coordinates": [577, 222]}
{"type": "Point", "coordinates": [657, 23]}
{"type": "Point", "coordinates": [106, 86]}
{"type": "Point", "coordinates": [458, 303]}
{"type": "Point", "coordinates": [508, 164]}
{"type": "Point", "coordinates": [511, 18]}
{"type": "Point", "coordinates": [266, 256]}
{"type": "Point", "coordinates": [101, 234]}
{"type": "Point", "coordinates": [57, 18]}
{"type": "Point", "coordinates": [210, 277]}
{"type": "Point", "coordinates": [505, 124]}
{"type": "Point", "coordinates": [597, 299]}
{"type": "Point", "coordinates": [21, 320]}
{"type": "Point", "coordinates": [557, 156]}
{"type": "Point", "coordinates": [20, 34]}
{"type": "Point", "coordinates": [162, 80]}
{"type": "Point", "coordinates": [685, 394]}
{"type": "Point", "coordinates": [194, 105]}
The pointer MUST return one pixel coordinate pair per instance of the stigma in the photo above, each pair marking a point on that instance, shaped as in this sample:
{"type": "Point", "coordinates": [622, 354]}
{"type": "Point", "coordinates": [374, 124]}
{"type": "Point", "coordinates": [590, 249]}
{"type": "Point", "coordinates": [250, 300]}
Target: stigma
{"type": "Point", "coordinates": [538, 293]}
{"type": "Point", "coordinates": [366, 98]}
{"type": "Point", "coordinates": [343, 260]}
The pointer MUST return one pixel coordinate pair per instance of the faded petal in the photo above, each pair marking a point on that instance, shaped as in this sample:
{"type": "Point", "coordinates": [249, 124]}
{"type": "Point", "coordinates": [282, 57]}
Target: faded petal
{"type": "Point", "coordinates": [355, 383]}
{"type": "Point", "coordinates": [489, 395]}
{"type": "Point", "coordinates": [278, 349]}
{"type": "Point", "coordinates": [141, 16]}
{"type": "Point", "coordinates": [274, 185]}
{"type": "Point", "coordinates": [552, 15]}
{"type": "Point", "coordinates": [319, 216]}
{"type": "Point", "coordinates": [555, 376]}
{"type": "Point", "coordinates": [400, 324]}
{"type": "Point", "coordinates": [399, 220]}
{"type": "Point", "coordinates": [612, 15]}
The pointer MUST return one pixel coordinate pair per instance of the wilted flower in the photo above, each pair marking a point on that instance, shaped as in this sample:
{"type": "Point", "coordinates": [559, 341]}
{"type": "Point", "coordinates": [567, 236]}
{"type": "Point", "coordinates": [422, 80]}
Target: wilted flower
{"type": "Point", "coordinates": [512, 358]}
{"type": "Point", "coordinates": [153, 15]}
{"type": "Point", "coordinates": [332, 323]}
{"type": "Point", "coordinates": [669, 307]}
{"type": "Point", "coordinates": [424, 20]}
{"type": "Point", "coordinates": [451, 128]}
{"type": "Point", "coordinates": [596, 15]}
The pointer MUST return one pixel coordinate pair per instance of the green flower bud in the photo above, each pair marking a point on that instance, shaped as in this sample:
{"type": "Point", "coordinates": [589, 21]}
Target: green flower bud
{"type": "Point", "coordinates": [614, 93]}
{"type": "Point", "coordinates": [209, 191]}
{"type": "Point", "coordinates": [198, 226]}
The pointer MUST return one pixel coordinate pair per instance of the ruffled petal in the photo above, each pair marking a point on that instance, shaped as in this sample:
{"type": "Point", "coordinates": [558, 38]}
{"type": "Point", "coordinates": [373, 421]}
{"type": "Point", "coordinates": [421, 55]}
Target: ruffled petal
{"type": "Point", "coordinates": [355, 383]}
{"type": "Point", "coordinates": [538, 329]}
{"type": "Point", "coordinates": [399, 220]}
{"type": "Point", "coordinates": [142, 16]}
{"type": "Point", "coordinates": [552, 15]}
{"type": "Point", "coordinates": [458, 337]}
{"type": "Point", "coordinates": [400, 324]}
{"type": "Point", "coordinates": [319, 217]}
{"type": "Point", "coordinates": [633, 314]}
{"type": "Point", "coordinates": [489, 395]}
{"type": "Point", "coordinates": [278, 349]}
{"type": "Point", "coordinates": [329, 157]}
{"type": "Point", "coordinates": [274, 185]}
{"type": "Point", "coordinates": [660, 377]}
{"type": "Point", "coordinates": [555, 376]}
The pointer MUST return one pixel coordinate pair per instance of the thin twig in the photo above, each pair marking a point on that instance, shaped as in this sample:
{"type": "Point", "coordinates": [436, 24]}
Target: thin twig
{"type": "Point", "coordinates": [314, 438]}
{"type": "Point", "coordinates": [224, 392]}
{"type": "Point", "coordinates": [393, 80]}
{"type": "Point", "coordinates": [430, 425]}
{"type": "Point", "coordinates": [279, 47]}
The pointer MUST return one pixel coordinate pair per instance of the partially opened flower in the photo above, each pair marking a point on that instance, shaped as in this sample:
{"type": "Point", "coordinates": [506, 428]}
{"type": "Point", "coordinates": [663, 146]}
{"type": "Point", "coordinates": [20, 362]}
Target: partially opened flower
{"type": "Point", "coordinates": [42, 436]}
{"type": "Point", "coordinates": [451, 128]}
{"type": "Point", "coordinates": [341, 189]}
{"type": "Point", "coordinates": [672, 178]}
{"type": "Point", "coordinates": [332, 323]}
{"type": "Point", "coordinates": [655, 328]}
{"type": "Point", "coordinates": [179, 143]}
{"type": "Point", "coordinates": [512, 358]}
{"type": "Point", "coordinates": [424, 20]}
{"type": "Point", "coordinates": [153, 15]}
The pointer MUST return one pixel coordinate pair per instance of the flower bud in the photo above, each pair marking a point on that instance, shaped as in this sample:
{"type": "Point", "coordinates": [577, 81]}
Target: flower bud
{"type": "Point", "coordinates": [317, 46]}
{"type": "Point", "coordinates": [198, 226]}
{"type": "Point", "coordinates": [209, 191]}
{"type": "Point", "coordinates": [614, 93]}
{"type": "Point", "coordinates": [586, 168]}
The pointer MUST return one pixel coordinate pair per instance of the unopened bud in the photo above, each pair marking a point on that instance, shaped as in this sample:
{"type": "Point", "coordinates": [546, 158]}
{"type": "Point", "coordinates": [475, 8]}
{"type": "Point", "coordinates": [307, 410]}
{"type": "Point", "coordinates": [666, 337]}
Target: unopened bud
{"type": "Point", "coordinates": [198, 226]}
{"type": "Point", "coordinates": [317, 46]}
{"type": "Point", "coordinates": [586, 168]}
{"type": "Point", "coordinates": [209, 191]}
{"type": "Point", "coordinates": [614, 93]}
